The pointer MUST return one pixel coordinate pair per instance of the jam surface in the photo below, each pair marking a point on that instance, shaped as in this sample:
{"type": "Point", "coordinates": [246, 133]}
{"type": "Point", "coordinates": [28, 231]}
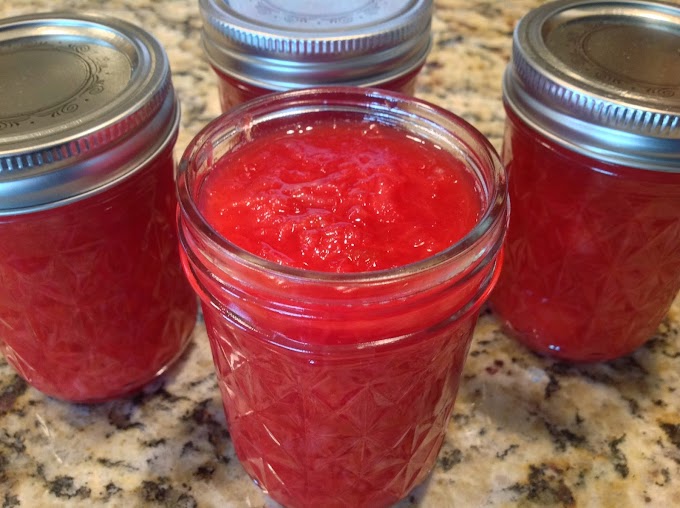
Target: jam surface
{"type": "Point", "coordinates": [592, 256]}
{"type": "Point", "coordinates": [343, 197]}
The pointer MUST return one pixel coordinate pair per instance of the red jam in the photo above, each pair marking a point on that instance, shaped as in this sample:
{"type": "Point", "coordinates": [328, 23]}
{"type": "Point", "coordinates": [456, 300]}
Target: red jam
{"type": "Point", "coordinates": [592, 256]}
{"type": "Point", "coordinates": [233, 91]}
{"type": "Point", "coordinates": [344, 428]}
{"type": "Point", "coordinates": [339, 334]}
{"type": "Point", "coordinates": [93, 302]}
{"type": "Point", "coordinates": [341, 197]}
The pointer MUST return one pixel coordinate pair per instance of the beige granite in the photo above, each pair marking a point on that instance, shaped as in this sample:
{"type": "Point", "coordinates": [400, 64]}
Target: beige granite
{"type": "Point", "coordinates": [526, 431]}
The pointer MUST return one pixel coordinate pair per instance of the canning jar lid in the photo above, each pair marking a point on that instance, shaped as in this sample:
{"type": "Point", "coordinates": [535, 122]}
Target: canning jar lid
{"type": "Point", "coordinates": [85, 100]}
{"type": "Point", "coordinates": [280, 45]}
{"type": "Point", "coordinates": [602, 78]}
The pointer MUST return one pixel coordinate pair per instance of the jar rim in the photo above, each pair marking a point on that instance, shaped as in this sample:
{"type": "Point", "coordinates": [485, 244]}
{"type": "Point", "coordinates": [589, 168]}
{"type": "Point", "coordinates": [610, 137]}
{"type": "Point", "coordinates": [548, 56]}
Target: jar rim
{"type": "Point", "coordinates": [377, 101]}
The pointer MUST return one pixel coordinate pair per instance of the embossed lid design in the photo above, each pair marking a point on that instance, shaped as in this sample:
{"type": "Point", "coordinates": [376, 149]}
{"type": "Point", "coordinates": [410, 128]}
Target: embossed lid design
{"type": "Point", "coordinates": [601, 77]}
{"type": "Point", "coordinates": [284, 44]}
{"type": "Point", "coordinates": [84, 100]}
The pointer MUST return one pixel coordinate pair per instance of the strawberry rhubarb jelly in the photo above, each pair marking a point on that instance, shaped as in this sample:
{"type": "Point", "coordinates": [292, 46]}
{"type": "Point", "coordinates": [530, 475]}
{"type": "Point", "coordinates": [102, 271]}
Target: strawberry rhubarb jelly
{"type": "Point", "coordinates": [93, 304]}
{"type": "Point", "coordinates": [341, 241]}
{"type": "Point", "coordinates": [592, 147]}
{"type": "Point", "coordinates": [341, 197]}
{"type": "Point", "coordinates": [257, 48]}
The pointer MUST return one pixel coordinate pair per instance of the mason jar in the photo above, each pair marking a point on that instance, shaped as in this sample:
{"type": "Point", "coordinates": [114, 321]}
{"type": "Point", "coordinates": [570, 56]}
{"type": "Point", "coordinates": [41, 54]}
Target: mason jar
{"type": "Point", "coordinates": [592, 148]}
{"type": "Point", "coordinates": [338, 386]}
{"type": "Point", "coordinates": [257, 48]}
{"type": "Point", "coordinates": [93, 304]}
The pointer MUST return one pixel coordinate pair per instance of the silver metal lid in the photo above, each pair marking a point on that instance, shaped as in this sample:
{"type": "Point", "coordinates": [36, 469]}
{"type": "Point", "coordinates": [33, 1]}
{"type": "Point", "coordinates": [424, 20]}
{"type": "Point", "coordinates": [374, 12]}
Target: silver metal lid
{"type": "Point", "coordinates": [84, 100]}
{"type": "Point", "coordinates": [601, 78]}
{"type": "Point", "coordinates": [280, 45]}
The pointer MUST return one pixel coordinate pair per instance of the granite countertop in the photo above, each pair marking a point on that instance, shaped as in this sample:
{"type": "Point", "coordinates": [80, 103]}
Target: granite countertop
{"type": "Point", "coordinates": [526, 431]}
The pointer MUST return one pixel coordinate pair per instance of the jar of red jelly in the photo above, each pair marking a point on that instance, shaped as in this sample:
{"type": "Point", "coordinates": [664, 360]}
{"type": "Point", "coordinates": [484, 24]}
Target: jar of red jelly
{"type": "Point", "coordinates": [337, 385]}
{"type": "Point", "coordinates": [261, 47]}
{"type": "Point", "coordinates": [592, 147]}
{"type": "Point", "coordinates": [93, 303]}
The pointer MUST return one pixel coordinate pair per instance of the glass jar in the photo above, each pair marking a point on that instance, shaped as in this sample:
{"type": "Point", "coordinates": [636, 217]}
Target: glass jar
{"type": "Point", "coordinates": [592, 148]}
{"type": "Point", "coordinates": [338, 387]}
{"type": "Point", "coordinates": [93, 303]}
{"type": "Point", "coordinates": [261, 47]}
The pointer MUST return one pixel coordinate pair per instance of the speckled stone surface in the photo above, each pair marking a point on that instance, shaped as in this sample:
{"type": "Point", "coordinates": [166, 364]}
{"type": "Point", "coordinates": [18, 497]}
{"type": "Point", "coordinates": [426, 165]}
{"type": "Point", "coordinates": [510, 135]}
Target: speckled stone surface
{"type": "Point", "coordinates": [526, 431]}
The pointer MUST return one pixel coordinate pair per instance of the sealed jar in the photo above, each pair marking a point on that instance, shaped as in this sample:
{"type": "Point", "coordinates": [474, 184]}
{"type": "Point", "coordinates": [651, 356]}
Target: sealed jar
{"type": "Point", "coordinates": [261, 47]}
{"type": "Point", "coordinates": [93, 304]}
{"type": "Point", "coordinates": [337, 385]}
{"type": "Point", "coordinates": [592, 147]}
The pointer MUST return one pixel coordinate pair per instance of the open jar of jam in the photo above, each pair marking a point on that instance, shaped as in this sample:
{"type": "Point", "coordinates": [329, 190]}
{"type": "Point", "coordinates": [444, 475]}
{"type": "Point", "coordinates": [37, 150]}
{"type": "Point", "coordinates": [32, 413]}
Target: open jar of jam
{"type": "Point", "coordinates": [592, 147]}
{"type": "Point", "coordinates": [93, 303]}
{"type": "Point", "coordinates": [261, 47]}
{"type": "Point", "coordinates": [340, 297]}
